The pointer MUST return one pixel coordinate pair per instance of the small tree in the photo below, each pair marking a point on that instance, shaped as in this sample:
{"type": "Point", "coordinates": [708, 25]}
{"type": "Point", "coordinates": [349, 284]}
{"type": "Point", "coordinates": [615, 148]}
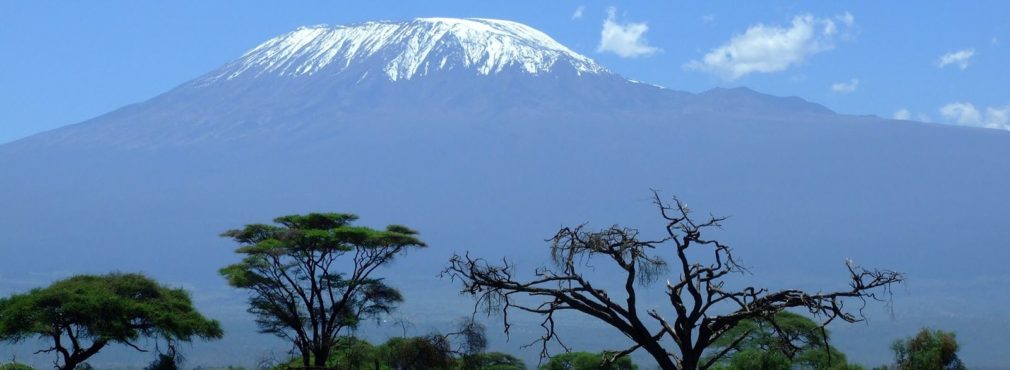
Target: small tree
{"type": "Point", "coordinates": [81, 315]}
{"type": "Point", "coordinates": [928, 350]}
{"type": "Point", "coordinates": [469, 339]}
{"type": "Point", "coordinates": [587, 361]}
{"type": "Point", "coordinates": [492, 361]}
{"type": "Point", "coordinates": [354, 354]}
{"type": "Point", "coordinates": [786, 341]}
{"type": "Point", "coordinates": [15, 366]}
{"type": "Point", "coordinates": [755, 359]}
{"type": "Point", "coordinates": [703, 308]}
{"type": "Point", "coordinates": [349, 353]}
{"type": "Point", "coordinates": [163, 362]}
{"type": "Point", "coordinates": [311, 276]}
{"type": "Point", "coordinates": [418, 353]}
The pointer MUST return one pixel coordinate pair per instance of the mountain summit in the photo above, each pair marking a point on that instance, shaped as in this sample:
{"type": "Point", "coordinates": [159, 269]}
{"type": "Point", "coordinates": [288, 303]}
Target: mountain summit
{"type": "Point", "coordinates": [405, 50]}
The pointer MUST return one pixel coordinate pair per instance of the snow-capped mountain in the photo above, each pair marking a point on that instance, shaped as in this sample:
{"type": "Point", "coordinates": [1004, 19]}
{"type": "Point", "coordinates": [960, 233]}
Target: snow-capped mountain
{"type": "Point", "coordinates": [404, 50]}
{"type": "Point", "coordinates": [486, 136]}
{"type": "Point", "coordinates": [317, 80]}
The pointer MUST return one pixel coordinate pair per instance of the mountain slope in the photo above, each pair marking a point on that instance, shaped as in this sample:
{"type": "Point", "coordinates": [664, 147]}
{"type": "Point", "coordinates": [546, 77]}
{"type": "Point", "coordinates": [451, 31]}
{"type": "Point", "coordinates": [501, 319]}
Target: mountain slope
{"type": "Point", "coordinates": [514, 136]}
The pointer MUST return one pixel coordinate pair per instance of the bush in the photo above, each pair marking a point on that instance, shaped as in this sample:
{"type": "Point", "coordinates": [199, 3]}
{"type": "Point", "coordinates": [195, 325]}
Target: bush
{"type": "Point", "coordinates": [586, 361]}
{"type": "Point", "coordinates": [417, 353]}
{"type": "Point", "coordinates": [492, 361]}
{"type": "Point", "coordinates": [928, 350]}
{"type": "Point", "coordinates": [15, 366]}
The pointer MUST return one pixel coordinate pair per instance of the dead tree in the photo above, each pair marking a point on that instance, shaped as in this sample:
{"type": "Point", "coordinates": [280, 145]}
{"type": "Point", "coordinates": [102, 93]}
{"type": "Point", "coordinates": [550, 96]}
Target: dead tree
{"type": "Point", "coordinates": [701, 307]}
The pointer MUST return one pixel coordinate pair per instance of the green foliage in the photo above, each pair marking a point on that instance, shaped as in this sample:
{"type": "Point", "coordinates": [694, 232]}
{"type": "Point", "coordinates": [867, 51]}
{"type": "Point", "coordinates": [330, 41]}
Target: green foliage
{"type": "Point", "coordinates": [15, 366]}
{"type": "Point", "coordinates": [417, 353]}
{"type": "Point", "coordinates": [163, 362]}
{"type": "Point", "coordinates": [354, 354]}
{"type": "Point", "coordinates": [349, 353]}
{"type": "Point", "coordinates": [819, 358]}
{"type": "Point", "coordinates": [928, 350]}
{"type": "Point", "coordinates": [428, 352]}
{"type": "Point", "coordinates": [91, 311]}
{"type": "Point", "coordinates": [755, 359]}
{"type": "Point", "coordinates": [789, 341]}
{"type": "Point", "coordinates": [788, 334]}
{"type": "Point", "coordinates": [296, 290]}
{"type": "Point", "coordinates": [587, 361]}
{"type": "Point", "coordinates": [491, 361]}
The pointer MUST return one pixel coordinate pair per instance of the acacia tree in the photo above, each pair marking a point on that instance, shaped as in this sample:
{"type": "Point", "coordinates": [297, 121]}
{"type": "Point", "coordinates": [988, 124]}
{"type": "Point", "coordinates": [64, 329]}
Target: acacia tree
{"type": "Point", "coordinates": [929, 349]}
{"type": "Point", "coordinates": [588, 361]}
{"type": "Point", "coordinates": [461, 349]}
{"type": "Point", "coordinates": [703, 308]}
{"type": "Point", "coordinates": [82, 315]}
{"type": "Point", "coordinates": [311, 276]}
{"type": "Point", "coordinates": [492, 361]}
{"type": "Point", "coordinates": [788, 340]}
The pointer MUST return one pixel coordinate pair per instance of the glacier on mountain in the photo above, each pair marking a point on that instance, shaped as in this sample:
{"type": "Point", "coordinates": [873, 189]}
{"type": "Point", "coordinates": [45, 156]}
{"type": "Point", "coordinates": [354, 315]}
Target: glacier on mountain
{"type": "Point", "coordinates": [405, 50]}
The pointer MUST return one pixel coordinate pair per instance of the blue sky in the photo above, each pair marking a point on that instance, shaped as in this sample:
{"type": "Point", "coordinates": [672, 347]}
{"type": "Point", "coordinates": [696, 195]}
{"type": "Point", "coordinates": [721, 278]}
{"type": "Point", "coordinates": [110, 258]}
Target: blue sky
{"type": "Point", "coordinates": [64, 62]}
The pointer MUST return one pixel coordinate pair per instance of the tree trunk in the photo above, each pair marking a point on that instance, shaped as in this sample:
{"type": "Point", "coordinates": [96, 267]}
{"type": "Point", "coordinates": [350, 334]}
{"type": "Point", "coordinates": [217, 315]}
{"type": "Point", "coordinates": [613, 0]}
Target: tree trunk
{"type": "Point", "coordinates": [74, 361]}
{"type": "Point", "coordinates": [322, 354]}
{"type": "Point", "coordinates": [78, 357]}
{"type": "Point", "coordinates": [659, 354]}
{"type": "Point", "coordinates": [70, 364]}
{"type": "Point", "coordinates": [306, 362]}
{"type": "Point", "coordinates": [690, 361]}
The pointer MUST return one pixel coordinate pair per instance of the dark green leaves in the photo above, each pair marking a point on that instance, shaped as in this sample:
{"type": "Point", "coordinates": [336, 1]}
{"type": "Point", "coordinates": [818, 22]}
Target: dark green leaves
{"type": "Point", "coordinates": [787, 340]}
{"type": "Point", "coordinates": [113, 308]}
{"type": "Point", "coordinates": [587, 361]}
{"type": "Point", "coordinates": [117, 307]}
{"type": "Point", "coordinates": [317, 232]}
{"type": "Point", "coordinates": [929, 349]}
{"type": "Point", "coordinates": [316, 220]}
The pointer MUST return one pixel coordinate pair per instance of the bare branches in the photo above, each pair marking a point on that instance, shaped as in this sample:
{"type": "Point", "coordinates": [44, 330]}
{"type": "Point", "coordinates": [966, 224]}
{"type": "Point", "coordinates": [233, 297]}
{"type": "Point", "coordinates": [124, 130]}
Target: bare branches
{"type": "Point", "coordinates": [698, 292]}
{"type": "Point", "coordinates": [134, 346]}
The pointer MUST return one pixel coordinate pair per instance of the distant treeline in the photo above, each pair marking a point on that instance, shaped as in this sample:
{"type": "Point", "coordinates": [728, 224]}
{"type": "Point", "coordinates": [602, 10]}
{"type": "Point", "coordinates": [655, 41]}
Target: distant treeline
{"type": "Point", "coordinates": [312, 279]}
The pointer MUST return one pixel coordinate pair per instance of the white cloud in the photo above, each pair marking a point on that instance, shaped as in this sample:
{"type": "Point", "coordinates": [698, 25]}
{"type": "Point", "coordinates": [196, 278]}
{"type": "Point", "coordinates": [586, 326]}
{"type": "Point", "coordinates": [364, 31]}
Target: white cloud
{"type": "Point", "coordinates": [906, 115]}
{"type": "Point", "coordinates": [708, 18]}
{"type": "Point", "coordinates": [626, 40]}
{"type": "Point", "coordinates": [578, 12]}
{"type": "Point", "coordinates": [845, 87]}
{"type": "Point", "coordinates": [902, 114]}
{"type": "Point", "coordinates": [767, 49]}
{"type": "Point", "coordinates": [998, 117]}
{"type": "Point", "coordinates": [966, 114]}
{"type": "Point", "coordinates": [961, 113]}
{"type": "Point", "coordinates": [847, 19]}
{"type": "Point", "coordinates": [961, 58]}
